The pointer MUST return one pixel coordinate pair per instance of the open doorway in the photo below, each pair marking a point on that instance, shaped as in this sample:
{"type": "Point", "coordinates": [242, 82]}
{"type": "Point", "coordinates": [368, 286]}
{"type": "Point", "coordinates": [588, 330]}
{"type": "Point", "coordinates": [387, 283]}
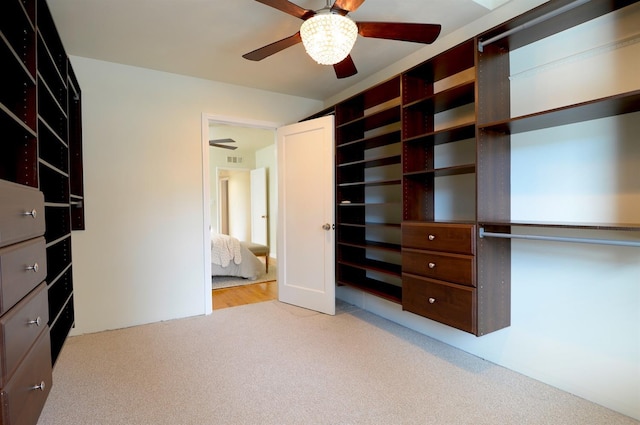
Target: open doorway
{"type": "Point", "coordinates": [239, 148]}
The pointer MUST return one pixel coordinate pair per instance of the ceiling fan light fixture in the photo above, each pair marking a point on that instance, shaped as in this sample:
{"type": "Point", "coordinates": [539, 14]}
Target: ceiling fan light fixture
{"type": "Point", "coordinates": [328, 37]}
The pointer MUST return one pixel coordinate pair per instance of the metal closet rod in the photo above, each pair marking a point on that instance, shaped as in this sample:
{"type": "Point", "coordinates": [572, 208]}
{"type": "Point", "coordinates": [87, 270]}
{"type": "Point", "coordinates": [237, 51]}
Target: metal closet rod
{"type": "Point", "coordinates": [532, 22]}
{"type": "Point", "coordinates": [484, 234]}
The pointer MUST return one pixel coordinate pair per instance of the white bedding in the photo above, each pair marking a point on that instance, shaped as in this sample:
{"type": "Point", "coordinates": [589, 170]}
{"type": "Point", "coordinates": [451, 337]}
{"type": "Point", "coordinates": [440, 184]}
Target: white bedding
{"type": "Point", "coordinates": [230, 258]}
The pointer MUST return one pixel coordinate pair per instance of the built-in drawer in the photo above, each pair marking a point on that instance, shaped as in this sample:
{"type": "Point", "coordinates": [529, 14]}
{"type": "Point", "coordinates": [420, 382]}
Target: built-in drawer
{"type": "Point", "coordinates": [451, 304]}
{"type": "Point", "coordinates": [449, 237]}
{"type": "Point", "coordinates": [20, 327]}
{"type": "Point", "coordinates": [22, 267]}
{"type": "Point", "coordinates": [23, 398]}
{"type": "Point", "coordinates": [21, 213]}
{"type": "Point", "coordinates": [455, 268]}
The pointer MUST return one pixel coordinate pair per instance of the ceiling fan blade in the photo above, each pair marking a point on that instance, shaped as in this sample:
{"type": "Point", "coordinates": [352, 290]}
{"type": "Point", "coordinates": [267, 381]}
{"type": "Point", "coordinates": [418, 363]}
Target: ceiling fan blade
{"type": "Point", "coordinates": [290, 8]}
{"type": "Point", "coordinates": [220, 143]}
{"type": "Point", "coordinates": [346, 6]}
{"type": "Point", "coordinates": [215, 145]}
{"type": "Point", "coordinates": [273, 48]}
{"type": "Point", "coordinates": [418, 33]}
{"type": "Point", "coordinates": [346, 68]}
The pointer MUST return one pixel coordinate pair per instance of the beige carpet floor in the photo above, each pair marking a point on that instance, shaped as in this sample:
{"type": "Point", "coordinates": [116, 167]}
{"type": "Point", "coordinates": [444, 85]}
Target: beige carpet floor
{"type": "Point", "coordinates": [271, 363]}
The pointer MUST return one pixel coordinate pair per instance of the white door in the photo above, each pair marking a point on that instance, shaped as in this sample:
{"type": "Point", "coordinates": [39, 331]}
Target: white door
{"type": "Point", "coordinates": [305, 244]}
{"type": "Point", "coordinates": [259, 208]}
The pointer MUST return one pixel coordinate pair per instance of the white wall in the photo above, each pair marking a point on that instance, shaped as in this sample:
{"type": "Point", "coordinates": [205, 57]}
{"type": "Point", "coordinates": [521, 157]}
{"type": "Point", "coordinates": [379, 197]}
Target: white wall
{"type": "Point", "coordinates": [575, 309]}
{"type": "Point", "coordinates": [141, 258]}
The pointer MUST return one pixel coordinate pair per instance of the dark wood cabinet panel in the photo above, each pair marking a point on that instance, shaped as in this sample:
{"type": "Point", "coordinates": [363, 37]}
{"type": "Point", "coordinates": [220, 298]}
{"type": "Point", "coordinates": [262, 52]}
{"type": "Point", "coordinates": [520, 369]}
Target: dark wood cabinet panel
{"type": "Point", "coordinates": [444, 302]}
{"type": "Point", "coordinates": [22, 267]}
{"type": "Point", "coordinates": [441, 266]}
{"type": "Point", "coordinates": [22, 326]}
{"type": "Point", "coordinates": [41, 194]}
{"type": "Point", "coordinates": [447, 237]}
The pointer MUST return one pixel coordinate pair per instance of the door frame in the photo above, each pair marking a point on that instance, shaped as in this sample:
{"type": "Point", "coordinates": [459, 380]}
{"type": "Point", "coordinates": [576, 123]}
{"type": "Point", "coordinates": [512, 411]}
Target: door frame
{"type": "Point", "coordinates": [206, 188]}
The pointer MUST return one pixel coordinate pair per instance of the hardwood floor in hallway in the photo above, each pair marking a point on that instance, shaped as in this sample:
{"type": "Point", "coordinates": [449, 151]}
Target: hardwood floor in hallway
{"type": "Point", "coordinates": [246, 294]}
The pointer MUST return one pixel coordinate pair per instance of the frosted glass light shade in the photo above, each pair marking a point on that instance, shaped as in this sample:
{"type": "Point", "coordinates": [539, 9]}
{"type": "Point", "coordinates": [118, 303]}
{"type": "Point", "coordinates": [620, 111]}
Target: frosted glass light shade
{"type": "Point", "coordinates": [328, 38]}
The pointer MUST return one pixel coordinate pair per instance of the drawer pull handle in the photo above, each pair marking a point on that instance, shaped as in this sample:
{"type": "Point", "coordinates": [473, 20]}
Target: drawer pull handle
{"type": "Point", "coordinates": [36, 322]}
{"type": "Point", "coordinates": [432, 300]}
{"type": "Point", "coordinates": [432, 265]}
{"type": "Point", "coordinates": [33, 213]}
{"type": "Point", "coordinates": [33, 268]}
{"type": "Point", "coordinates": [432, 237]}
{"type": "Point", "coordinates": [40, 386]}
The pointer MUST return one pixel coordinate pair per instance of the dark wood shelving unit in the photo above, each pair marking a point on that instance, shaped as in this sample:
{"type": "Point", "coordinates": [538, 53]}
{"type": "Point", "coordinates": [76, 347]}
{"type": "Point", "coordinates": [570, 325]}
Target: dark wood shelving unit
{"type": "Point", "coordinates": [449, 273]}
{"type": "Point", "coordinates": [40, 120]}
{"type": "Point", "coordinates": [368, 184]}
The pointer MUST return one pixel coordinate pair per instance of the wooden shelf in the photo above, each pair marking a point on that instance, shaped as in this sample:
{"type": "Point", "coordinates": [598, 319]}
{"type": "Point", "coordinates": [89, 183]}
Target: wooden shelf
{"type": "Point", "coordinates": [586, 111]}
{"type": "Point", "coordinates": [373, 162]}
{"type": "Point", "coordinates": [444, 171]}
{"type": "Point", "coordinates": [451, 98]}
{"type": "Point", "coordinates": [375, 287]}
{"type": "Point", "coordinates": [443, 136]}
{"type": "Point", "coordinates": [372, 142]}
{"type": "Point", "coordinates": [374, 266]}
{"type": "Point", "coordinates": [381, 246]}
{"type": "Point", "coordinates": [375, 120]}
{"type": "Point", "coordinates": [370, 225]}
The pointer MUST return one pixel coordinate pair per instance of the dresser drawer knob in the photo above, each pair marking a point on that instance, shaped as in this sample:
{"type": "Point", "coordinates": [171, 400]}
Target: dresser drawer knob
{"type": "Point", "coordinates": [33, 213]}
{"type": "Point", "coordinates": [33, 268]}
{"type": "Point", "coordinates": [432, 265]}
{"type": "Point", "coordinates": [40, 386]}
{"type": "Point", "coordinates": [432, 300]}
{"type": "Point", "coordinates": [432, 237]}
{"type": "Point", "coordinates": [36, 322]}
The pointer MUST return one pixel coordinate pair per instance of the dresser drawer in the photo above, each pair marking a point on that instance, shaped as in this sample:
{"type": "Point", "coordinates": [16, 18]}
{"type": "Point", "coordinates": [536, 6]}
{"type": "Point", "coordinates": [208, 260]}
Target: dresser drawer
{"type": "Point", "coordinates": [457, 238]}
{"type": "Point", "coordinates": [20, 327]}
{"type": "Point", "coordinates": [22, 267]}
{"type": "Point", "coordinates": [450, 304]}
{"type": "Point", "coordinates": [21, 213]}
{"type": "Point", "coordinates": [450, 267]}
{"type": "Point", "coordinates": [23, 398]}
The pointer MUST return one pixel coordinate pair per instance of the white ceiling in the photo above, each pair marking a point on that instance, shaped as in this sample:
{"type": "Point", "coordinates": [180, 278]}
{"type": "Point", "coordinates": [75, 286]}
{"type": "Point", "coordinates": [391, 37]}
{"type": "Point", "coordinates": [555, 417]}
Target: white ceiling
{"type": "Point", "coordinates": [207, 38]}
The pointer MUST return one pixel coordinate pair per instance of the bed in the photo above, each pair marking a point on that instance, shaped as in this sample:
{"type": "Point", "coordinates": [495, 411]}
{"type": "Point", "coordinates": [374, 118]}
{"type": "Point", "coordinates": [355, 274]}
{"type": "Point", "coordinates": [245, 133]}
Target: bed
{"type": "Point", "coordinates": [230, 257]}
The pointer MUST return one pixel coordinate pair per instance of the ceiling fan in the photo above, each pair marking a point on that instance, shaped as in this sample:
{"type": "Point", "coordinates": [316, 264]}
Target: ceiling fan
{"type": "Point", "coordinates": [320, 26]}
{"type": "Point", "coordinates": [221, 143]}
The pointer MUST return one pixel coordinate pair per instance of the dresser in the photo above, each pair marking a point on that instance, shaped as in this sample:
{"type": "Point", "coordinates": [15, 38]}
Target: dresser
{"type": "Point", "coordinates": [25, 347]}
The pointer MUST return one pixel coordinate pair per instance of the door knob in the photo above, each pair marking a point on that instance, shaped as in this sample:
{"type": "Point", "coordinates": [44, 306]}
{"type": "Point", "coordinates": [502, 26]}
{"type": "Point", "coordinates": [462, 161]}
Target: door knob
{"type": "Point", "coordinates": [326, 226]}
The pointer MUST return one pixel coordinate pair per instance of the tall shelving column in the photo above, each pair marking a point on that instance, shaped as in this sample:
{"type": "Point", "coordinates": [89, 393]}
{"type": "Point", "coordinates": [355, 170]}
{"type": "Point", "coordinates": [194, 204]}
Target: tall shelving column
{"type": "Point", "coordinates": [368, 191]}
{"type": "Point", "coordinates": [422, 100]}
{"type": "Point", "coordinates": [53, 171]}
{"type": "Point", "coordinates": [18, 150]}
